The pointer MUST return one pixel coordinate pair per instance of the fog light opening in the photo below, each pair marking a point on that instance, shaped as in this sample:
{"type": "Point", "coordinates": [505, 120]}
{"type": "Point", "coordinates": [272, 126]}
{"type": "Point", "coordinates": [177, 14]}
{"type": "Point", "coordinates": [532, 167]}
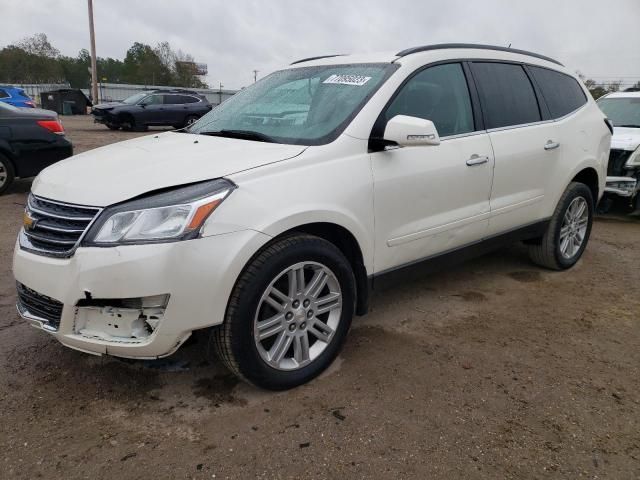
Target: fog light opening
{"type": "Point", "coordinates": [130, 320]}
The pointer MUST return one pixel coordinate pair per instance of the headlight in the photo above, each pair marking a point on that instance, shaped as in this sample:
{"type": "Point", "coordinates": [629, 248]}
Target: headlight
{"type": "Point", "coordinates": [172, 215]}
{"type": "Point", "coordinates": [634, 159]}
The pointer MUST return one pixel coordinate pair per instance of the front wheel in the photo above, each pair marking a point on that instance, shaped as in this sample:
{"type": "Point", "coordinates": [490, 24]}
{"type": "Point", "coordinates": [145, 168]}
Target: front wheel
{"type": "Point", "coordinates": [568, 232]}
{"type": "Point", "coordinates": [288, 314]}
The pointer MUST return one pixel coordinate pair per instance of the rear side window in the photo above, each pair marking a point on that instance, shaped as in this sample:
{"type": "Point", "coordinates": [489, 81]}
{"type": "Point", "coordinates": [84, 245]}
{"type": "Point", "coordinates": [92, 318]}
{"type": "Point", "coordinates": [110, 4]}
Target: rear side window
{"type": "Point", "coordinates": [172, 99]}
{"type": "Point", "coordinates": [506, 94]}
{"type": "Point", "coordinates": [439, 94]}
{"type": "Point", "coordinates": [188, 99]}
{"type": "Point", "coordinates": [3, 93]}
{"type": "Point", "coordinates": [561, 92]}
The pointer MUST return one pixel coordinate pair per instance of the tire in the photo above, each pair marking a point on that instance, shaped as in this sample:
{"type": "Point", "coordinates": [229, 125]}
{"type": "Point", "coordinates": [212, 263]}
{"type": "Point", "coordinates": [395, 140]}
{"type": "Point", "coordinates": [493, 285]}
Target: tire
{"type": "Point", "coordinates": [236, 341]}
{"type": "Point", "coordinates": [127, 122]}
{"type": "Point", "coordinates": [558, 252]}
{"type": "Point", "coordinates": [112, 126]}
{"type": "Point", "coordinates": [189, 120]}
{"type": "Point", "coordinates": [7, 173]}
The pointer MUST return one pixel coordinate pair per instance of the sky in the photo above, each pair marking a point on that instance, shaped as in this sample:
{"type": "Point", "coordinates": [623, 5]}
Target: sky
{"type": "Point", "coordinates": [599, 38]}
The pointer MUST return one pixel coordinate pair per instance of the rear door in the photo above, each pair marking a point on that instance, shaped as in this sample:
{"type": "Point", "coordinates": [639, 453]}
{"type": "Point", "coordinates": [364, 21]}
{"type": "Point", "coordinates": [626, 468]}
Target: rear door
{"type": "Point", "coordinates": [525, 146]}
{"type": "Point", "coordinates": [431, 199]}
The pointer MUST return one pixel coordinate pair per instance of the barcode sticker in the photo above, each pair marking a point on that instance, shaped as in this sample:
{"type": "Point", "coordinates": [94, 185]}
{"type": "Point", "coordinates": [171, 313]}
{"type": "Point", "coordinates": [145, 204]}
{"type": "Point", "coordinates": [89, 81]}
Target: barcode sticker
{"type": "Point", "coordinates": [357, 80]}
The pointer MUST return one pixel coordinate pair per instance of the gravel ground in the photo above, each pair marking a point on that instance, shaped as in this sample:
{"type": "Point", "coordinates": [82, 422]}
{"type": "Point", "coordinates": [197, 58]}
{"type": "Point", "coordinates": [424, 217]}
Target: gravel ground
{"type": "Point", "coordinates": [493, 369]}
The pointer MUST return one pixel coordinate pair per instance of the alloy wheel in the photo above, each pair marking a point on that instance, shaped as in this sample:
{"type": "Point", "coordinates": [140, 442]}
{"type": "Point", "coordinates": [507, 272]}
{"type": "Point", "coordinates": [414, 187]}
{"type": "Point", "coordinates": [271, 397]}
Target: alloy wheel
{"type": "Point", "coordinates": [297, 316]}
{"type": "Point", "coordinates": [574, 227]}
{"type": "Point", "coordinates": [4, 175]}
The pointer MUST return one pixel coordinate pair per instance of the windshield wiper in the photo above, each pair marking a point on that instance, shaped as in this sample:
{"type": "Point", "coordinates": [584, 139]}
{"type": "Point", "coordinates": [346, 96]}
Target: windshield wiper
{"type": "Point", "coordinates": [241, 134]}
{"type": "Point", "coordinates": [629, 126]}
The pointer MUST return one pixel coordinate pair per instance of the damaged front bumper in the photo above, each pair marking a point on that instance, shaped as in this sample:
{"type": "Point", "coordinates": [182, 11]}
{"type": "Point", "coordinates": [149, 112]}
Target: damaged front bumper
{"type": "Point", "coordinates": [135, 301]}
{"type": "Point", "coordinates": [622, 186]}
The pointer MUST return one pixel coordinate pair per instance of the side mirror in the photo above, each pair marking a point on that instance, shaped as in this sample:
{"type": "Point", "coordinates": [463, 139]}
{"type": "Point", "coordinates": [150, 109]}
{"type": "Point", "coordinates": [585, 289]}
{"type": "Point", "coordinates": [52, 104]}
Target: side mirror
{"type": "Point", "coordinates": [411, 131]}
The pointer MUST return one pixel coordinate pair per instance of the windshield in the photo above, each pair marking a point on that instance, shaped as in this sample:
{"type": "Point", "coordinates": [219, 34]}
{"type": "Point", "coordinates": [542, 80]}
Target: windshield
{"type": "Point", "coordinates": [133, 99]}
{"type": "Point", "coordinates": [623, 112]}
{"type": "Point", "coordinates": [303, 106]}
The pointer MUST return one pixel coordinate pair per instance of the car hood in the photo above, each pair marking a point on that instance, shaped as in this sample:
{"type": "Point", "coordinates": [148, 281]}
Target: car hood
{"type": "Point", "coordinates": [107, 105]}
{"type": "Point", "coordinates": [121, 171]}
{"type": "Point", "coordinates": [625, 138]}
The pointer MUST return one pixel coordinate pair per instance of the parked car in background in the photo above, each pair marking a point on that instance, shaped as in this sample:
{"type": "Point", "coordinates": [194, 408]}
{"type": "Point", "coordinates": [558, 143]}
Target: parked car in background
{"type": "Point", "coordinates": [16, 97]}
{"type": "Point", "coordinates": [30, 140]}
{"type": "Point", "coordinates": [623, 172]}
{"type": "Point", "coordinates": [177, 108]}
{"type": "Point", "coordinates": [270, 220]}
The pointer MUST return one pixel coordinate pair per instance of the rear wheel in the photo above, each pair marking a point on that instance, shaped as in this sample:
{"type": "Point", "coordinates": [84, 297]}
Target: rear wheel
{"type": "Point", "coordinates": [7, 173]}
{"type": "Point", "coordinates": [190, 120]}
{"type": "Point", "coordinates": [289, 313]}
{"type": "Point", "coordinates": [568, 232]}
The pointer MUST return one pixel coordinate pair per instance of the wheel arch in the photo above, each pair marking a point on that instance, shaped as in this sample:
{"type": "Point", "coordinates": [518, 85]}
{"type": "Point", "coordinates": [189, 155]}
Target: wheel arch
{"type": "Point", "coordinates": [347, 243]}
{"type": "Point", "coordinates": [589, 176]}
{"type": "Point", "coordinates": [5, 151]}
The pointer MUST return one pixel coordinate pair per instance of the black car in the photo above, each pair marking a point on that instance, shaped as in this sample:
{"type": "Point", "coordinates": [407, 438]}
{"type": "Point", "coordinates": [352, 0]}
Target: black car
{"type": "Point", "coordinates": [31, 139]}
{"type": "Point", "coordinates": [177, 108]}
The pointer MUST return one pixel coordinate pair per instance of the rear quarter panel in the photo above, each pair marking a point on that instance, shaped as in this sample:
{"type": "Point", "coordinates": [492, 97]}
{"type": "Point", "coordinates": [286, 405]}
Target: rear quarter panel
{"type": "Point", "coordinates": [586, 143]}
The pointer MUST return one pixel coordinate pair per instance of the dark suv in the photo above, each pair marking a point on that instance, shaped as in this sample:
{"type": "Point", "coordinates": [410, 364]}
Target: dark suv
{"type": "Point", "coordinates": [178, 108]}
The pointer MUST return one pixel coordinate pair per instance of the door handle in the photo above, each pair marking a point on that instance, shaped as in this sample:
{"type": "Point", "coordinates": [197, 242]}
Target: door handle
{"type": "Point", "coordinates": [477, 160]}
{"type": "Point", "coordinates": [551, 145]}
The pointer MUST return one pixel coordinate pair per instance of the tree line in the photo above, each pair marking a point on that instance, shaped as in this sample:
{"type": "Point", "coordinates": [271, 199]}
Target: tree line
{"type": "Point", "coordinates": [34, 60]}
{"type": "Point", "coordinates": [599, 89]}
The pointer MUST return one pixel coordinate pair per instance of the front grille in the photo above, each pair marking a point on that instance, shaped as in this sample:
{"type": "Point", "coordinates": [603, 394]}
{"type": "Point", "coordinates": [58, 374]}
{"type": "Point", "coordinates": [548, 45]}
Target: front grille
{"type": "Point", "coordinates": [54, 228]}
{"type": "Point", "coordinates": [617, 159]}
{"type": "Point", "coordinates": [39, 306]}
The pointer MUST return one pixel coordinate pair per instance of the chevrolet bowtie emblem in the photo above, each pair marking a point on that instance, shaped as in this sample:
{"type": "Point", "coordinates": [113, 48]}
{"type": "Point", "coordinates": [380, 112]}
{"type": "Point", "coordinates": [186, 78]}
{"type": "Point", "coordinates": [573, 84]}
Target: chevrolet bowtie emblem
{"type": "Point", "coordinates": [28, 221]}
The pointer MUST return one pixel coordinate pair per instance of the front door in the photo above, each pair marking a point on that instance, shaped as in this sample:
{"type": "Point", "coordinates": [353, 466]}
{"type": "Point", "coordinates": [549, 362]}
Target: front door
{"type": "Point", "coordinates": [432, 199]}
{"type": "Point", "coordinates": [152, 112]}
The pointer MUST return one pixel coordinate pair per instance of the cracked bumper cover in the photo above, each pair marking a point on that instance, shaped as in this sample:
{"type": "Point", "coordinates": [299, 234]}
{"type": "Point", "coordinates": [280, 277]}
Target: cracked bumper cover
{"type": "Point", "coordinates": [197, 275]}
{"type": "Point", "coordinates": [622, 186]}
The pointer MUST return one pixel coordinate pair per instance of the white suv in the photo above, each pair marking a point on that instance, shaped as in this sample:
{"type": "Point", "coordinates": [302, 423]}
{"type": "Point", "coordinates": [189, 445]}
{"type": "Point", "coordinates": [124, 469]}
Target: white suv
{"type": "Point", "coordinates": [623, 180]}
{"type": "Point", "coordinates": [272, 218]}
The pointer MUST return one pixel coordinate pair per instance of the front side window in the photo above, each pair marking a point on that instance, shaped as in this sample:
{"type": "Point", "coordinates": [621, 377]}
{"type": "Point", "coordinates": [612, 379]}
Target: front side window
{"type": "Point", "coordinates": [304, 106]}
{"type": "Point", "coordinates": [506, 94]}
{"type": "Point", "coordinates": [152, 100]}
{"type": "Point", "coordinates": [561, 92]}
{"type": "Point", "coordinates": [439, 94]}
{"type": "Point", "coordinates": [622, 111]}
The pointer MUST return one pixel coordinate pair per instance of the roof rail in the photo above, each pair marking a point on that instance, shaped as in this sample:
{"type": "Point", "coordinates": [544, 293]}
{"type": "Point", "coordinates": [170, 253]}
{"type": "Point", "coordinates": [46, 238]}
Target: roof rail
{"type": "Point", "coordinates": [317, 58]}
{"type": "Point", "coordinates": [442, 46]}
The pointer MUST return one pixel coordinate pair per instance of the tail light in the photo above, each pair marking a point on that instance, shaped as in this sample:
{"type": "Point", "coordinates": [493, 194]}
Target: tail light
{"type": "Point", "coordinates": [54, 126]}
{"type": "Point", "coordinates": [31, 103]}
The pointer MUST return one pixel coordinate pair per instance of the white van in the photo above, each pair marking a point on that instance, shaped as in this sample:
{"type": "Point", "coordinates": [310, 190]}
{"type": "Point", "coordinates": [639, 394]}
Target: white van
{"type": "Point", "coordinates": [271, 219]}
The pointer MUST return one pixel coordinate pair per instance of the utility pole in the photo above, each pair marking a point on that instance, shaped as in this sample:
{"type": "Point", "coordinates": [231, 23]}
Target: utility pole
{"type": "Point", "coordinates": [255, 76]}
{"type": "Point", "coordinates": [94, 68]}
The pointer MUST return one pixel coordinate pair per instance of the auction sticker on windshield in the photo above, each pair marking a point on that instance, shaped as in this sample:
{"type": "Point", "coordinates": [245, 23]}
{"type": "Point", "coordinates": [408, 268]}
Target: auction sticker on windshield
{"type": "Point", "coordinates": [357, 80]}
